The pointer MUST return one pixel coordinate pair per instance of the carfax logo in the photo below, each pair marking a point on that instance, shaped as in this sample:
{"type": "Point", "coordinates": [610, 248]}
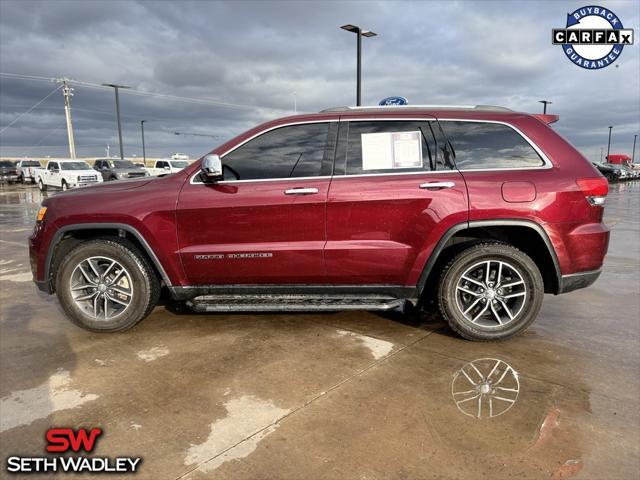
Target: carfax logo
{"type": "Point", "coordinates": [593, 38]}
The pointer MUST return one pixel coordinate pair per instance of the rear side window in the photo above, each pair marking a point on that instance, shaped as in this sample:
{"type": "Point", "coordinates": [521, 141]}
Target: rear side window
{"type": "Point", "coordinates": [394, 147]}
{"type": "Point", "coordinates": [478, 145]}
{"type": "Point", "coordinates": [293, 151]}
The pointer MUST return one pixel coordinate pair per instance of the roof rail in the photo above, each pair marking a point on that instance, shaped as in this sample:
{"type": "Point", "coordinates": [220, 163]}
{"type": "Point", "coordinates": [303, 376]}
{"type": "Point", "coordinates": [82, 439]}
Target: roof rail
{"type": "Point", "coordinates": [385, 107]}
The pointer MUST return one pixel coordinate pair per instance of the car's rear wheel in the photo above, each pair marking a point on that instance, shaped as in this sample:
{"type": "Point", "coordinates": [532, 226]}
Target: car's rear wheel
{"type": "Point", "coordinates": [41, 186]}
{"type": "Point", "coordinates": [106, 285]}
{"type": "Point", "coordinates": [490, 291]}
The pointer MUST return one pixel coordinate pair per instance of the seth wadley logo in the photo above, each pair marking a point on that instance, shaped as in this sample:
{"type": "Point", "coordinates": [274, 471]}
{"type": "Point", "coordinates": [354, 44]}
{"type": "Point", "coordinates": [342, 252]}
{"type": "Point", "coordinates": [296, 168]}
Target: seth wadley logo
{"type": "Point", "coordinates": [65, 441]}
{"type": "Point", "coordinates": [593, 37]}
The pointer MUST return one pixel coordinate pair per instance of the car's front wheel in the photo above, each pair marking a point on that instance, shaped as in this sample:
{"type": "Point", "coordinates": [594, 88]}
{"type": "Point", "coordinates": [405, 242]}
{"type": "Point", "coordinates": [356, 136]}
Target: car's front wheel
{"type": "Point", "coordinates": [41, 186]}
{"type": "Point", "coordinates": [65, 187]}
{"type": "Point", "coordinates": [106, 285]}
{"type": "Point", "coordinates": [490, 291]}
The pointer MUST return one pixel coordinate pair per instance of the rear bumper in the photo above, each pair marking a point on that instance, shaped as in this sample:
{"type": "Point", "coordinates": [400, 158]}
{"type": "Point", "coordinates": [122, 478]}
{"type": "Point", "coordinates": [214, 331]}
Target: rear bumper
{"type": "Point", "coordinates": [575, 281]}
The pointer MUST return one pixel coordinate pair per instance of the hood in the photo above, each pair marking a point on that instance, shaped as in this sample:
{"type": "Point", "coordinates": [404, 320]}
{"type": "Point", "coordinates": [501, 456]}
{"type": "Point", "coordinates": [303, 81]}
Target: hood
{"type": "Point", "coordinates": [79, 172]}
{"type": "Point", "coordinates": [129, 184]}
{"type": "Point", "coordinates": [129, 170]}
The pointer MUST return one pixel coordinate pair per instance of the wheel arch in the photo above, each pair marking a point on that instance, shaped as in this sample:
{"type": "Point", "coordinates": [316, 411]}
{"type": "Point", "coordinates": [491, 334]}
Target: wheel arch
{"type": "Point", "coordinates": [68, 236]}
{"type": "Point", "coordinates": [528, 236]}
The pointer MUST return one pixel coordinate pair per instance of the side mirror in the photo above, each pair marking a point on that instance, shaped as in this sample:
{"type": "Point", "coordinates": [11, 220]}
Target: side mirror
{"type": "Point", "coordinates": [211, 168]}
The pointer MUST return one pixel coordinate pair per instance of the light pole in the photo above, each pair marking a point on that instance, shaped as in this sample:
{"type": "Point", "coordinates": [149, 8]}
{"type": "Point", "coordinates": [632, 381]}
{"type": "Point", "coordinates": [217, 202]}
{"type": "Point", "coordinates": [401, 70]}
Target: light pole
{"type": "Point", "coordinates": [609, 144]}
{"type": "Point", "coordinates": [144, 152]}
{"type": "Point", "coordinates": [116, 88]}
{"type": "Point", "coordinates": [545, 103]}
{"type": "Point", "coordinates": [601, 153]}
{"type": "Point", "coordinates": [295, 102]}
{"type": "Point", "coordinates": [359, 33]}
{"type": "Point", "coordinates": [633, 155]}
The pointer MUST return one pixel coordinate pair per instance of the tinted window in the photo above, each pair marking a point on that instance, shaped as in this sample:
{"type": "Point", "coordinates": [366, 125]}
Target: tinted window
{"type": "Point", "coordinates": [294, 151]}
{"type": "Point", "coordinates": [393, 147]}
{"type": "Point", "coordinates": [489, 145]}
{"type": "Point", "coordinates": [159, 164]}
{"type": "Point", "coordinates": [53, 166]}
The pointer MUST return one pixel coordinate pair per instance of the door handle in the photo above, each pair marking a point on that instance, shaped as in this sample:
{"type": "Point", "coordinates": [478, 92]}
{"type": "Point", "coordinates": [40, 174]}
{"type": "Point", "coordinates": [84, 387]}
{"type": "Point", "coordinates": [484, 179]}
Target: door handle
{"type": "Point", "coordinates": [301, 191]}
{"type": "Point", "coordinates": [437, 185]}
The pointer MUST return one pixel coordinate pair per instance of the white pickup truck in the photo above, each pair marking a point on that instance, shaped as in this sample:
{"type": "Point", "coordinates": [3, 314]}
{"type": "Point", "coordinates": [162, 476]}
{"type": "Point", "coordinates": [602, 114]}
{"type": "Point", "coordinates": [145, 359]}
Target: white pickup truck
{"type": "Point", "coordinates": [66, 174]}
{"type": "Point", "coordinates": [27, 170]}
{"type": "Point", "coordinates": [164, 167]}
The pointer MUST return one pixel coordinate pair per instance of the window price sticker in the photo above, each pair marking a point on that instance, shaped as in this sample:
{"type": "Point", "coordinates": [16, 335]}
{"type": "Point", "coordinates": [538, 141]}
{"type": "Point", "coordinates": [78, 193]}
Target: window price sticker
{"type": "Point", "coordinates": [391, 150]}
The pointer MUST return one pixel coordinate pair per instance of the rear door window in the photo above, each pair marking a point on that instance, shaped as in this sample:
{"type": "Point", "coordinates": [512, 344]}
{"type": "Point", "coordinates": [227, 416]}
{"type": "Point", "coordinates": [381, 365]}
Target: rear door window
{"type": "Point", "coordinates": [378, 147]}
{"type": "Point", "coordinates": [480, 145]}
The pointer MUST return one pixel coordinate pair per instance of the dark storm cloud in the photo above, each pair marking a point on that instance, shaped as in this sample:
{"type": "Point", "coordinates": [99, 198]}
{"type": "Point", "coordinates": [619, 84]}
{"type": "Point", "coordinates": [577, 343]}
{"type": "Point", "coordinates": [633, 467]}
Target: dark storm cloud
{"type": "Point", "coordinates": [258, 53]}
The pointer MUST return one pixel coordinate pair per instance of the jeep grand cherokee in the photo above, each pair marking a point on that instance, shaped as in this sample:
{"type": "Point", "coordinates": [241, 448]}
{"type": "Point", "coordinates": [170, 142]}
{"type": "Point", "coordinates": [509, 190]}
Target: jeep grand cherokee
{"type": "Point", "coordinates": [481, 209]}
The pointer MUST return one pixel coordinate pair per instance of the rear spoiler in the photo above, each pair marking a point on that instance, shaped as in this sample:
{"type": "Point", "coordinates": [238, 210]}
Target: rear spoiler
{"type": "Point", "coordinates": [548, 119]}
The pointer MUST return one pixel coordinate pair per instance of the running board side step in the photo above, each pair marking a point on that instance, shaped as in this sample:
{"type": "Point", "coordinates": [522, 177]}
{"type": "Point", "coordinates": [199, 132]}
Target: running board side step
{"type": "Point", "coordinates": [295, 303]}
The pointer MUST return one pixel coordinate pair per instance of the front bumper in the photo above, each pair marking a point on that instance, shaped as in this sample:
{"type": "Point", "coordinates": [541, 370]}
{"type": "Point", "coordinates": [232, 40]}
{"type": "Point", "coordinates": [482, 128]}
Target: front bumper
{"type": "Point", "coordinates": [575, 281]}
{"type": "Point", "coordinates": [9, 178]}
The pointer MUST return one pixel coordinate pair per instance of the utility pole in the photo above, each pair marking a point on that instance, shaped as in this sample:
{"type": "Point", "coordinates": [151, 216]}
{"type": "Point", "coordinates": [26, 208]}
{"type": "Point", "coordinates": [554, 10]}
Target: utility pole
{"type": "Point", "coordinates": [609, 144]}
{"type": "Point", "coordinates": [144, 153]}
{"type": "Point", "coordinates": [116, 88]}
{"type": "Point", "coordinates": [108, 149]}
{"type": "Point", "coordinates": [545, 103]}
{"type": "Point", "coordinates": [601, 153]}
{"type": "Point", "coordinates": [295, 102]}
{"type": "Point", "coordinates": [633, 155]}
{"type": "Point", "coordinates": [67, 92]}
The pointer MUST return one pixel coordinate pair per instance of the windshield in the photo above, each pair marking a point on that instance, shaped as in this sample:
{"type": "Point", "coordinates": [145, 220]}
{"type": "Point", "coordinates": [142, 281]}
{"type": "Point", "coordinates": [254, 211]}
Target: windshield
{"type": "Point", "coordinates": [74, 166]}
{"type": "Point", "coordinates": [121, 164]}
{"type": "Point", "coordinates": [5, 163]}
{"type": "Point", "coordinates": [31, 163]}
{"type": "Point", "coordinates": [179, 164]}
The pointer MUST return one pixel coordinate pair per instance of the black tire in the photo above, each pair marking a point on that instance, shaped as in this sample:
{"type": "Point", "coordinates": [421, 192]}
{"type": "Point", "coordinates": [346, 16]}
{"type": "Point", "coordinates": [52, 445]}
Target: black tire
{"type": "Point", "coordinates": [451, 298]}
{"type": "Point", "coordinates": [145, 285]}
{"type": "Point", "coordinates": [21, 179]}
{"type": "Point", "coordinates": [64, 186]}
{"type": "Point", "coordinates": [41, 186]}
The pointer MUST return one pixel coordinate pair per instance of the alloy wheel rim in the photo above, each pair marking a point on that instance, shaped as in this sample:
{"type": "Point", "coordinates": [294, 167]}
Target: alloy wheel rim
{"type": "Point", "coordinates": [491, 294]}
{"type": "Point", "coordinates": [101, 288]}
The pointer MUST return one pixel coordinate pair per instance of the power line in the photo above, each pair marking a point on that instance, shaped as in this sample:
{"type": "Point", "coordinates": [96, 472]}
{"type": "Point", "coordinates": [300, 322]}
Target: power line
{"type": "Point", "coordinates": [24, 113]}
{"type": "Point", "coordinates": [133, 91]}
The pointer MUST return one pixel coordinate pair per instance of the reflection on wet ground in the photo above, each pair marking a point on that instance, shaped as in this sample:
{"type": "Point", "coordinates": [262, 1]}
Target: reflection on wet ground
{"type": "Point", "coordinates": [344, 395]}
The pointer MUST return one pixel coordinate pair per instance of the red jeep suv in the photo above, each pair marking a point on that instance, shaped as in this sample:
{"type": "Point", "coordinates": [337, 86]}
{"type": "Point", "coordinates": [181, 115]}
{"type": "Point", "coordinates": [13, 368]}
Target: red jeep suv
{"type": "Point", "coordinates": [480, 209]}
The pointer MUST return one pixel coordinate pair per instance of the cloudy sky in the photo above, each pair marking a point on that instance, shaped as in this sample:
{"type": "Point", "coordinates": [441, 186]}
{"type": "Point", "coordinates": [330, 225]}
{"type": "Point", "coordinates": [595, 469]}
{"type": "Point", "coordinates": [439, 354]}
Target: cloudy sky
{"type": "Point", "coordinates": [241, 62]}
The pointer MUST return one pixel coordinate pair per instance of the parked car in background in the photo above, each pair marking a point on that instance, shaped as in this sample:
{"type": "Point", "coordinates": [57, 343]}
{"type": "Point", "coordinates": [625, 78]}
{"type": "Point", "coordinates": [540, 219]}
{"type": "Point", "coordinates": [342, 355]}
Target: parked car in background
{"type": "Point", "coordinates": [386, 208]}
{"type": "Point", "coordinates": [167, 166]}
{"type": "Point", "coordinates": [8, 172]}
{"type": "Point", "coordinates": [116, 169]}
{"type": "Point", "coordinates": [609, 172]}
{"type": "Point", "coordinates": [179, 156]}
{"type": "Point", "coordinates": [27, 170]}
{"type": "Point", "coordinates": [631, 172]}
{"type": "Point", "coordinates": [623, 173]}
{"type": "Point", "coordinates": [66, 174]}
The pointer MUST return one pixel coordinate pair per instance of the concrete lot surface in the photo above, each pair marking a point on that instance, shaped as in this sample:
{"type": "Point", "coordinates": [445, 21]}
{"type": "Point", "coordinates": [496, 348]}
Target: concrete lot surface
{"type": "Point", "coordinates": [346, 395]}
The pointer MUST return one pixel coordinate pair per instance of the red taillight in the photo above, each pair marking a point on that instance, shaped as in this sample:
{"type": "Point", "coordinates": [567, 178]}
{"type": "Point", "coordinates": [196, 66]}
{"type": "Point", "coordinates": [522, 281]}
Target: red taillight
{"type": "Point", "coordinates": [594, 189]}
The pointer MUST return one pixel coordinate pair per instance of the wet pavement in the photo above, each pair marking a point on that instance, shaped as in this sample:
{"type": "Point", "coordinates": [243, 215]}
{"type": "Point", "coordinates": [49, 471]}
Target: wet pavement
{"type": "Point", "coordinates": [344, 395]}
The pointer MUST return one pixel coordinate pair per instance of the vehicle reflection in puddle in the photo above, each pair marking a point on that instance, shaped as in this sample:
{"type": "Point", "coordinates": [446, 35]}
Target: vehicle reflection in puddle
{"type": "Point", "coordinates": [485, 388]}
